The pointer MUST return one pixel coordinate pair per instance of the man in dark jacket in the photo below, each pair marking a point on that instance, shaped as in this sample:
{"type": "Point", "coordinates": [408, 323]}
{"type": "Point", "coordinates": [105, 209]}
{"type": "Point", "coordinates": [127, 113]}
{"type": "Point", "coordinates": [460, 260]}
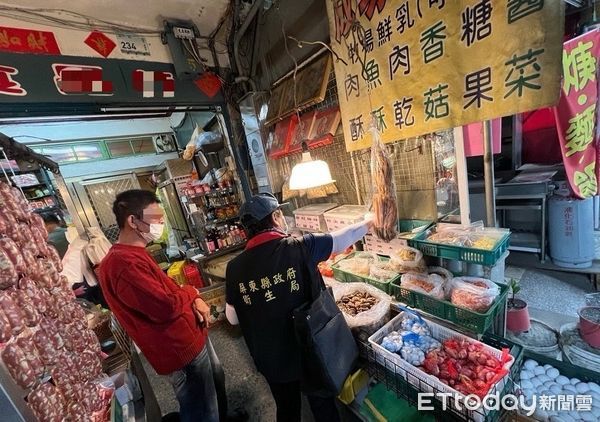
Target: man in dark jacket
{"type": "Point", "coordinates": [265, 284]}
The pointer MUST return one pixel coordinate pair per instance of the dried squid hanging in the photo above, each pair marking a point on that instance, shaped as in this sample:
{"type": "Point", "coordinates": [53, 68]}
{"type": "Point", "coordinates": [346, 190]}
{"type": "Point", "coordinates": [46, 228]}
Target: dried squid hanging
{"type": "Point", "coordinates": [384, 190]}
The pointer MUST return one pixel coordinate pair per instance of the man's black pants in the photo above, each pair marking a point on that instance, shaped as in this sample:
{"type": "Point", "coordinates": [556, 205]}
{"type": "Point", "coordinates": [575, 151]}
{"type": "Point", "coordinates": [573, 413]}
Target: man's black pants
{"type": "Point", "coordinates": [289, 404]}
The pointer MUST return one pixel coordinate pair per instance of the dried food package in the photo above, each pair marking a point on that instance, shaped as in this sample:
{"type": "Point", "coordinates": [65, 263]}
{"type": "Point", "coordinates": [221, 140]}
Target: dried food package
{"type": "Point", "coordinates": [429, 284]}
{"type": "Point", "coordinates": [406, 259]}
{"type": "Point", "coordinates": [476, 294]}
{"type": "Point", "coordinates": [385, 206]}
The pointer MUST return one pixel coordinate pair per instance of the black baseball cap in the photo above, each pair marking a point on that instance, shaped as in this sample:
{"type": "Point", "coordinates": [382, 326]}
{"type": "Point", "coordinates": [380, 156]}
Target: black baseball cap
{"type": "Point", "coordinates": [259, 207]}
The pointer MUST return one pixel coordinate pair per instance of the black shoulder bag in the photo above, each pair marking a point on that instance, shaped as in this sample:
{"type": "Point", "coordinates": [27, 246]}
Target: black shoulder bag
{"type": "Point", "coordinates": [328, 349]}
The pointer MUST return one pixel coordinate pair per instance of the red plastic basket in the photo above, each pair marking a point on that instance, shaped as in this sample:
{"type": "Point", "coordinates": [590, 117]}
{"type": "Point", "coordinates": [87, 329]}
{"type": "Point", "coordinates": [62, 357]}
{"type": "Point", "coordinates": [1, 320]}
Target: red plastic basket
{"type": "Point", "coordinates": [192, 275]}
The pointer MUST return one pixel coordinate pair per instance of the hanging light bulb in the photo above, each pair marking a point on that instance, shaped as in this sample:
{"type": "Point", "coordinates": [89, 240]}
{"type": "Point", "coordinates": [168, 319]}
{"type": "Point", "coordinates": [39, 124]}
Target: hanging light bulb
{"type": "Point", "coordinates": [309, 173]}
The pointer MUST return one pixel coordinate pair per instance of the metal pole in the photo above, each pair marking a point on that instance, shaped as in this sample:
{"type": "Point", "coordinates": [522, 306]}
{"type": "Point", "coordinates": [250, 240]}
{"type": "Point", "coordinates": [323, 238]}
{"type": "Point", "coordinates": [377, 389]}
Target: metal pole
{"type": "Point", "coordinates": [462, 179]}
{"type": "Point", "coordinates": [488, 169]}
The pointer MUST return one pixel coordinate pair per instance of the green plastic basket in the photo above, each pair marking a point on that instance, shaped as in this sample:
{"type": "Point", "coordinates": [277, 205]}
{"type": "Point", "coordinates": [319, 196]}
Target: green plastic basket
{"type": "Point", "coordinates": [346, 277]}
{"type": "Point", "coordinates": [567, 369]}
{"type": "Point", "coordinates": [409, 225]}
{"type": "Point", "coordinates": [461, 253]}
{"type": "Point", "coordinates": [469, 320]}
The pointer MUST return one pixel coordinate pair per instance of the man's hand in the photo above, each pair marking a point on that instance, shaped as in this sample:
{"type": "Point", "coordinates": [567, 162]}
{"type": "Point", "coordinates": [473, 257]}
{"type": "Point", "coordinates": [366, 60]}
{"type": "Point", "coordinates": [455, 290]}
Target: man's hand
{"type": "Point", "coordinates": [202, 312]}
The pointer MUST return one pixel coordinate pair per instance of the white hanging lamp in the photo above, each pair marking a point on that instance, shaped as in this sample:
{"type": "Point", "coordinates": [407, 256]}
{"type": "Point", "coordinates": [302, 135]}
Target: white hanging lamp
{"type": "Point", "coordinates": [309, 173]}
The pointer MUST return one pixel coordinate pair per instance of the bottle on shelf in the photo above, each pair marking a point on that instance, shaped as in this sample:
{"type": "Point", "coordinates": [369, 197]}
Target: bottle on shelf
{"type": "Point", "coordinates": [210, 245]}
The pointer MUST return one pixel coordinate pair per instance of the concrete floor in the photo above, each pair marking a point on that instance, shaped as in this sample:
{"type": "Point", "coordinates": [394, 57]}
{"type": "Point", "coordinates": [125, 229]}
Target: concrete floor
{"type": "Point", "coordinates": [559, 292]}
{"type": "Point", "coordinates": [246, 388]}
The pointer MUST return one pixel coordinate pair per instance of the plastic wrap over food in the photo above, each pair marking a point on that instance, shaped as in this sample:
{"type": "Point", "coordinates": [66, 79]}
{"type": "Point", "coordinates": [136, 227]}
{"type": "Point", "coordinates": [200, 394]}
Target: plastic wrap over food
{"type": "Point", "coordinates": [429, 284]}
{"type": "Point", "coordinates": [476, 294]}
{"type": "Point", "coordinates": [5, 328]}
{"type": "Point", "coordinates": [48, 354]}
{"type": "Point", "coordinates": [8, 274]}
{"type": "Point", "coordinates": [35, 220]}
{"type": "Point", "coordinates": [19, 368]}
{"type": "Point", "coordinates": [412, 341]}
{"type": "Point", "coordinates": [406, 259]}
{"type": "Point", "coordinates": [446, 275]}
{"type": "Point", "coordinates": [25, 342]}
{"type": "Point", "coordinates": [12, 312]}
{"type": "Point", "coordinates": [372, 318]}
{"type": "Point", "coordinates": [385, 206]}
{"type": "Point", "coordinates": [381, 270]}
{"type": "Point", "coordinates": [55, 258]}
{"type": "Point", "coordinates": [13, 252]}
{"type": "Point", "coordinates": [37, 295]}
{"type": "Point", "coordinates": [47, 403]}
{"type": "Point", "coordinates": [30, 313]}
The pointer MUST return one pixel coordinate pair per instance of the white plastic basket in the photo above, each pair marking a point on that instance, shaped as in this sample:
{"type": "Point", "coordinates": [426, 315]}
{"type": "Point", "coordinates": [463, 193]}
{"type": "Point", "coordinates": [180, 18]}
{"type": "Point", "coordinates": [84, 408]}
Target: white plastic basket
{"type": "Point", "coordinates": [344, 216]}
{"type": "Point", "coordinates": [374, 244]}
{"type": "Point", "coordinates": [423, 381]}
{"type": "Point", "coordinates": [311, 217]}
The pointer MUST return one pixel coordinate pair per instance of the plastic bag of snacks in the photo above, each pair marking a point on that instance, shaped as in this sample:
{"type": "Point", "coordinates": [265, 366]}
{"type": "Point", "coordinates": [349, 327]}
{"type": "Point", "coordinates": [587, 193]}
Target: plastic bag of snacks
{"type": "Point", "coordinates": [446, 275]}
{"type": "Point", "coordinates": [476, 294]}
{"type": "Point", "coordinates": [381, 270]}
{"type": "Point", "coordinates": [353, 297]}
{"type": "Point", "coordinates": [406, 259]}
{"type": "Point", "coordinates": [358, 266]}
{"type": "Point", "coordinates": [429, 284]}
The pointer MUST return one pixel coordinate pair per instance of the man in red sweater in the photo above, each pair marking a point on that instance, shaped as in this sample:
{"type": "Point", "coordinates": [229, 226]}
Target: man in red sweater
{"type": "Point", "coordinates": [167, 322]}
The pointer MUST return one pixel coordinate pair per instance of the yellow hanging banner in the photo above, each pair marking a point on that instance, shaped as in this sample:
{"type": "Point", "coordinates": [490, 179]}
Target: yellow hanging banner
{"type": "Point", "coordinates": [418, 66]}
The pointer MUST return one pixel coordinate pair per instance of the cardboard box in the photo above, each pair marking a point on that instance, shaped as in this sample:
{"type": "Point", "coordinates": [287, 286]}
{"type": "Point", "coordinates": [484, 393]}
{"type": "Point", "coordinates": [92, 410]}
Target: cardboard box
{"type": "Point", "coordinates": [214, 296]}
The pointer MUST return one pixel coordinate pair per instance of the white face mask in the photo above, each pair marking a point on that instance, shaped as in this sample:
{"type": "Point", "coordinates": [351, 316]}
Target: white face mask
{"type": "Point", "coordinates": [156, 231]}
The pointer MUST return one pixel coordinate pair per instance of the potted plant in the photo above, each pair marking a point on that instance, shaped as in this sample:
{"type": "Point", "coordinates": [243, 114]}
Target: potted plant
{"type": "Point", "coordinates": [517, 317]}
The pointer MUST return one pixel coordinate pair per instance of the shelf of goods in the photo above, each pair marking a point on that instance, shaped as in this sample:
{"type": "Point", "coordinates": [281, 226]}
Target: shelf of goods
{"type": "Point", "coordinates": [50, 361]}
{"type": "Point", "coordinates": [40, 195]}
{"type": "Point", "coordinates": [472, 304]}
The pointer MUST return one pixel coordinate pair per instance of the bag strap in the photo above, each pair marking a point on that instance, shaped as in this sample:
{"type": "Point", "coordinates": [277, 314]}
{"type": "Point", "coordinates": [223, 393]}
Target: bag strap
{"type": "Point", "coordinates": [316, 280]}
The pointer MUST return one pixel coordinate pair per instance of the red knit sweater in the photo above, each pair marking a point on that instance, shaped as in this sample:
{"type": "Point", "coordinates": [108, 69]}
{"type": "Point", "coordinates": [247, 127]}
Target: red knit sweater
{"type": "Point", "coordinates": [154, 311]}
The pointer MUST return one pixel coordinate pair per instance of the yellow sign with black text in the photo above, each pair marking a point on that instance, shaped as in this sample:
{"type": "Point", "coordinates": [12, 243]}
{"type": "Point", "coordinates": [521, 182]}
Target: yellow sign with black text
{"type": "Point", "coordinates": [417, 66]}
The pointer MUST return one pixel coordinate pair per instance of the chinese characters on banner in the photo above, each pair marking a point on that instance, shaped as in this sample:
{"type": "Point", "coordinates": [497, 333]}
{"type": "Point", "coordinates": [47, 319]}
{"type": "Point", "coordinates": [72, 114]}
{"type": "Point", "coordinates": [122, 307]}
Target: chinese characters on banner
{"type": "Point", "coordinates": [576, 113]}
{"type": "Point", "coordinates": [418, 66]}
{"type": "Point", "coordinates": [18, 40]}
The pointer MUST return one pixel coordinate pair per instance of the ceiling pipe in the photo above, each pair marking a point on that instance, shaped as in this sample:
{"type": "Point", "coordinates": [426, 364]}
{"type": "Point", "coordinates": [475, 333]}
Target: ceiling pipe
{"type": "Point", "coordinates": [240, 33]}
{"type": "Point", "coordinates": [250, 81]}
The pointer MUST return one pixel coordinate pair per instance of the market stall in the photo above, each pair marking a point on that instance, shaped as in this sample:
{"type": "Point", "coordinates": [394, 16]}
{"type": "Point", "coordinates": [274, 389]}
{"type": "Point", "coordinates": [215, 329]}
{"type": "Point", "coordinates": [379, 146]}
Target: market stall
{"type": "Point", "coordinates": [51, 359]}
{"type": "Point", "coordinates": [443, 284]}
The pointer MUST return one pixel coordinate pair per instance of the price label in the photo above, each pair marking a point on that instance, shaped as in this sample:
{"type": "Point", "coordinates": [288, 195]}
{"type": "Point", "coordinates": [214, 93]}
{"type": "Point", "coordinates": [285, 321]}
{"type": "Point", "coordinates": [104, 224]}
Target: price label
{"type": "Point", "coordinates": [133, 44]}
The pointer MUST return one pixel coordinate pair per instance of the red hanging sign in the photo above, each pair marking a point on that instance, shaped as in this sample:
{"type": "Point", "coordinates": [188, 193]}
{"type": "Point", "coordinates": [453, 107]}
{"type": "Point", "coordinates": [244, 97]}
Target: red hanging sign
{"type": "Point", "coordinates": [576, 116]}
{"type": "Point", "coordinates": [209, 84]}
{"type": "Point", "coordinates": [100, 43]}
{"type": "Point", "coordinates": [19, 40]}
